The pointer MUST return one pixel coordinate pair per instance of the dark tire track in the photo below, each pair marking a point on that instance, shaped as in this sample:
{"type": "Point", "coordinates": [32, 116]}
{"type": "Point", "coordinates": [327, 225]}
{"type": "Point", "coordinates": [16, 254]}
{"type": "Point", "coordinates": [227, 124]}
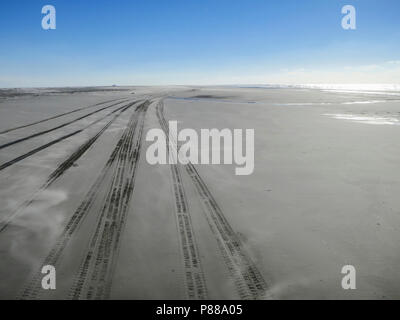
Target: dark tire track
{"type": "Point", "coordinates": [51, 143]}
{"type": "Point", "coordinates": [11, 143]}
{"type": "Point", "coordinates": [94, 278]}
{"type": "Point", "coordinates": [119, 155]}
{"type": "Point", "coordinates": [65, 165]}
{"type": "Point", "coordinates": [194, 279]}
{"type": "Point", "coordinates": [58, 116]}
{"type": "Point", "coordinates": [84, 147]}
{"type": "Point", "coordinates": [248, 280]}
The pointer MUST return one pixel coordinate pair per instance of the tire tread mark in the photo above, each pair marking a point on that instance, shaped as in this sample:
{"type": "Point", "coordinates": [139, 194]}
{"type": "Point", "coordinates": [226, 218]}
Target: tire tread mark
{"type": "Point", "coordinates": [195, 282]}
{"type": "Point", "coordinates": [37, 134]}
{"type": "Point", "coordinates": [58, 116]}
{"type": "Point", "coordinates": [65, 165]}
{"type": "Point", "coordinates": [94, 277]}
{"type": "Point", "coordinates": [247, 278]}
{"type": "Point", "coordinates": [53, 142]}
{"type": "Point", "coordinates": [32, 289]}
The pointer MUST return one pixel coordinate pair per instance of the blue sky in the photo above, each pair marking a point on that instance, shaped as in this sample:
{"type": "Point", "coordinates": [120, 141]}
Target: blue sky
{"type": "Point", "coordinates": [198, 42]}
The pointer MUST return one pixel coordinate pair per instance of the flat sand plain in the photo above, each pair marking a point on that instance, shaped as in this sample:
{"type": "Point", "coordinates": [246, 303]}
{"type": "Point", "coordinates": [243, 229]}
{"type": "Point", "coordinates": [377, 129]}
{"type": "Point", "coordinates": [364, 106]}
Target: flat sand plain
{"type": "Point", "coordinates": [77, 192]}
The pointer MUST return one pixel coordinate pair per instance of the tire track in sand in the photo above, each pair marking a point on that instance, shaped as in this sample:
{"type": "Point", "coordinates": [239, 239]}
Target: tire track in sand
{"type": "Point", "coordinates": [65, 165]}
{"type": "Point", "coordinates": [53, 142]}
{"type": "Point", "coordinates": [248, 280]}
{"type": "Point", "coordinates": [37, 134]}
{"type": "Point", "coordinates": [193, 273]}
{"type": "Point", "coordinates": [119, 155]}
{"type": "Point", "coordinates": [94, 278]}
{"type": "Point", "coordinates": [58, 116]}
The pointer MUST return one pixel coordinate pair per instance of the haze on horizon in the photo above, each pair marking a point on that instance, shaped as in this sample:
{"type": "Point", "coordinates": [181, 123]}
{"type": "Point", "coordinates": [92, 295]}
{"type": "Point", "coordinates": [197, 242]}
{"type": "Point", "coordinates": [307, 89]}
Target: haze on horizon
{"type": "Point", "coordinates": [198, 43]}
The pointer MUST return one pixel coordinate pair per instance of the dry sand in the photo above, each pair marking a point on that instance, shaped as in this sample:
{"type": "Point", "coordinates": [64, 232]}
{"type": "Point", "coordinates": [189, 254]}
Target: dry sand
{"type": "Point", "coordinates": [76, 192]}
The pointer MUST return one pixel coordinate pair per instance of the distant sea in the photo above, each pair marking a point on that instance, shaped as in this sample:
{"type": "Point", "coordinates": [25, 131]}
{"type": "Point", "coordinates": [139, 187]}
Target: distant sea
{"type": "Point", "coordinates": [354, 87]}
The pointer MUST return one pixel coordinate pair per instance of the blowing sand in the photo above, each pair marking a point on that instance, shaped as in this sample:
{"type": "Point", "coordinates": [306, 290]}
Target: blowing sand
{"type": "Point", "coordinates": [77, 192]}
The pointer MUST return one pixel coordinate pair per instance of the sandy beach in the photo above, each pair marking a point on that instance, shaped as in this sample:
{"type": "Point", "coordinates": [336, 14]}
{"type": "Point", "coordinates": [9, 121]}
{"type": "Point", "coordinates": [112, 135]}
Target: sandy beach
{"type": "Point", "coordinates": [77, 192]}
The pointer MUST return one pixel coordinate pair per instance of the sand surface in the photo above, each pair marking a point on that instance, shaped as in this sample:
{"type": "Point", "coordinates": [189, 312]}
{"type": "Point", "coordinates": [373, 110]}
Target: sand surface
{"type": "Point", "coordinates": [77, 192]}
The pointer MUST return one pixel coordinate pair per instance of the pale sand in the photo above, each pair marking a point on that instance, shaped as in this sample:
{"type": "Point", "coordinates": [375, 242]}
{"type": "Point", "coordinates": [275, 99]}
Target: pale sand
{"type": "Point", "coordinates": [324, 194]}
